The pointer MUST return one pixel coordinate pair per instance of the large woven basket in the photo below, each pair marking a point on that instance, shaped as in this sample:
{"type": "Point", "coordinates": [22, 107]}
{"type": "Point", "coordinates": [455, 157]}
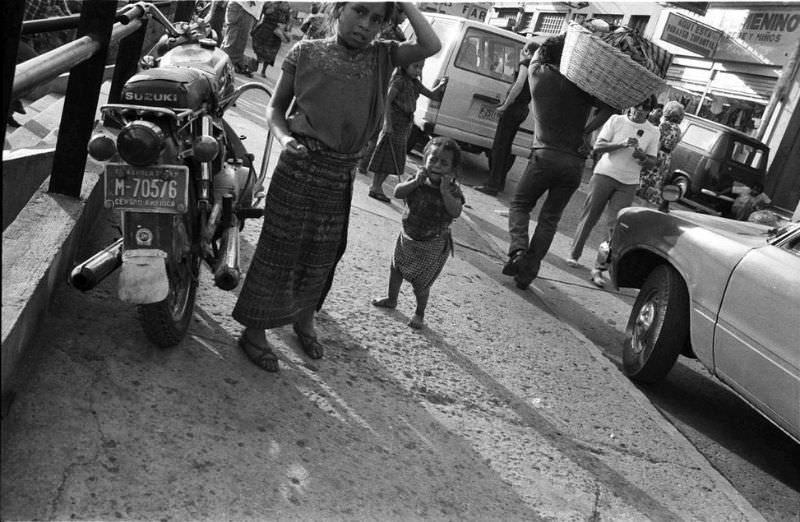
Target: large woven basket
{"type": "Point", "coordinates": [605, 72]}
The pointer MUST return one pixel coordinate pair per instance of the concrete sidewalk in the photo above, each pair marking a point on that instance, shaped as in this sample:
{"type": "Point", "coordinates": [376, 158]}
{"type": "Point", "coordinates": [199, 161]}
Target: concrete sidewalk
{"type": "Point", "coordinates": [498, 410]}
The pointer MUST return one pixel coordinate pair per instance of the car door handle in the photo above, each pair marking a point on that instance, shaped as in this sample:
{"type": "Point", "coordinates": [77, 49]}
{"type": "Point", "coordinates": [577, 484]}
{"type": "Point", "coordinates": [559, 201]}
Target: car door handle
{"type": "Point", "coordinates": [483, 97]}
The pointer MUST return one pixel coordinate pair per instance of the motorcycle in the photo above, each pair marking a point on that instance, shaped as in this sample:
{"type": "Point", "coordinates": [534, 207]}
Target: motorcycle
{"type": "Point", "coordinates": [179, 175]}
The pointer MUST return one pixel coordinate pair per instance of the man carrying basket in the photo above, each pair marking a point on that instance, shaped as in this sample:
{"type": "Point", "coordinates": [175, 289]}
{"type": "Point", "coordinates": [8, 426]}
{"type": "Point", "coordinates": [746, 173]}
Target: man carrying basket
{"type": "Point", "coordinates": [560, 111]}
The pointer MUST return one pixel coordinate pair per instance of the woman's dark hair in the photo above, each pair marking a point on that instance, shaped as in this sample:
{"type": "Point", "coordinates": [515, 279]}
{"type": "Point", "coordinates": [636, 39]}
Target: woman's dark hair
{"type": "Point", "coordinates": [448, 144]}
{"type": "Point", "coordinates": [551, 49]}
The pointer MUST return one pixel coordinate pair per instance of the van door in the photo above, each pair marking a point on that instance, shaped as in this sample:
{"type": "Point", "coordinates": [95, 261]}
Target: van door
{"type": "Point", "coordinates": [480, 71]}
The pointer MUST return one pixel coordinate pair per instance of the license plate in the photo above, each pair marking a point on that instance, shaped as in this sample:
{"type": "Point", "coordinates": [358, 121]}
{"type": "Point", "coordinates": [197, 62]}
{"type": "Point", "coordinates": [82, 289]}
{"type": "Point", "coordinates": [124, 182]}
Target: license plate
{"type": "Point", "coordinates": [487, 112]}
{"type": "Point", "coordinates": [162, 188]}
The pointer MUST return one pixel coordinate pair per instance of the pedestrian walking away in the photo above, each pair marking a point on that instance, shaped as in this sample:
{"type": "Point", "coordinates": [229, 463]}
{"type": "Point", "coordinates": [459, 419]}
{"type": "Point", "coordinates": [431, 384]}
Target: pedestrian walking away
{"type": "Point", "coordinates": [652, 179]}
{"type": "Point", "coordinates": [401, 102]}
{"type": "Point", "coordinates": [240, 16]}
{"type": "Point", "coordinates": [626, 144]}
{"type": "Point", "coordinates": [433, 200]}
{"type": "Point", "coordinates": [561, 129]}
{"type": "Point", "coordinates": [513, 111]}
{"type": "Point", "coordinates": [338, 85]}
{"type": "Point", "coordinates": [270, 33]}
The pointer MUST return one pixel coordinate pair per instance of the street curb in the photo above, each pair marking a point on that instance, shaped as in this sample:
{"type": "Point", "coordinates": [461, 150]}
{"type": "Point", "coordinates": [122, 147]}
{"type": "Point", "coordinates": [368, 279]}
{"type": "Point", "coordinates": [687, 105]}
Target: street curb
{"type": "Point", "coordinates": [38, 252]}
{"type": "Point", "coordinates": [641, 399]}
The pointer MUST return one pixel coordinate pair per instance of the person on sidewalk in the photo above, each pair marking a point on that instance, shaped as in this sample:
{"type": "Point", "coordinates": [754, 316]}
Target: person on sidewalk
{"type": "Point", "coordinates": [337, 89]}
{"type": "Point", "coordinates": [627, 143]}
{"type": "Point", "coordinates": [560, 111]}
{"type": "Point", "coordinates": [270, 33]}
{"type": "Point", "coordinates": [392, 33]}
{"type": "Point", "coordinates": [215, 17]}
{"type": "Point", "coordinates": [433, 201]}
{"type": "Point", "coordinates": [513, 111]}
{"type": "Point", "coordinates": [401, 102]}
{"type": "Point", "coordinates": [240, 16]}
{"type": "Point", "coordinates": [652, 179]}
{"type": "Point", "coordinates": [313, 27]}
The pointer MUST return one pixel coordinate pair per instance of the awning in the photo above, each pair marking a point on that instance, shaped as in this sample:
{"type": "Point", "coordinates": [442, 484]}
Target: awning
{"type": "Point", "coordinates": [750, 87]}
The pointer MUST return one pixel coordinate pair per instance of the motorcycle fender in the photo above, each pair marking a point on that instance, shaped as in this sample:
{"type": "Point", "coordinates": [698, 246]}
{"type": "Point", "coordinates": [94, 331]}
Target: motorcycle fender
{"type": "Point", "coordinates": [143, 276]}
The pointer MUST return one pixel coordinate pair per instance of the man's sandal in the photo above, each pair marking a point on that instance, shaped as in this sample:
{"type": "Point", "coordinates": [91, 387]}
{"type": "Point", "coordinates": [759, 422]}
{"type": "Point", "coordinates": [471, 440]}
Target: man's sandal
{"type": "Point", "coordinates": [262, 356]}
{"type": "Point", "coordinates": [309, 344]}
{"type": "Point", "coordinates": [384, 303]}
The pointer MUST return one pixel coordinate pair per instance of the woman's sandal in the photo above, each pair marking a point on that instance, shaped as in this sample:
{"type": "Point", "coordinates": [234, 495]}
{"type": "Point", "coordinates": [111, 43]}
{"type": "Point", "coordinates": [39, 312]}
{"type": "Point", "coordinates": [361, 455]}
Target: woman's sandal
{"type": "Point", "coordinates": [309, 344]}
{"type": "Point", "coordinates": [380, 196]}
{"type": "Point", "coordinates": [261, 356]}
{"type": "Point", "coordinates": [384, 303]}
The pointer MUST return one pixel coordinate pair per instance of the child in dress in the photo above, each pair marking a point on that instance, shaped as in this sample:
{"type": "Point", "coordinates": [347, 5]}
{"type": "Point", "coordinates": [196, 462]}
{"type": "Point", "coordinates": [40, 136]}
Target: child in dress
{"type": "Point", "coordinates": [339, 87]}
{"type": "Point", "coordinates": [433, 201]}
{"type": "Point", "coordinates": [401, 102]}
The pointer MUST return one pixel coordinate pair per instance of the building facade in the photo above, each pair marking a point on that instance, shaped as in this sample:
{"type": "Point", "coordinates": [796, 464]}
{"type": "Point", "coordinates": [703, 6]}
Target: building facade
{"type": "Point", "coordinates": [734, 63]}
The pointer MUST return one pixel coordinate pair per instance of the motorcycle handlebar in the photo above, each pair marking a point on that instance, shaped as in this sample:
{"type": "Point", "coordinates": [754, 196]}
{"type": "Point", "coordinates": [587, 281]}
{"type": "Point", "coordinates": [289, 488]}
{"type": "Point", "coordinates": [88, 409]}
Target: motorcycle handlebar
{"type": "Point", "coordinates": [140, 9]}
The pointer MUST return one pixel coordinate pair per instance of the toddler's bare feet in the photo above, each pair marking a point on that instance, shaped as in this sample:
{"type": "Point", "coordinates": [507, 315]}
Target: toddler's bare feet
{"type": "Point", "coordinates": [384, 303]}
{"type": "Point", "coordinates": [416, 322]}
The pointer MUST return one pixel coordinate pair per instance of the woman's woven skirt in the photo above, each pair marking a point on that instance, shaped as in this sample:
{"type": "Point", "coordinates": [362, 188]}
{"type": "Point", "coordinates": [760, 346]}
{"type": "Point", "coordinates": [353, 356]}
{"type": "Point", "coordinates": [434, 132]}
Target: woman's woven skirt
{"type": "Point", "coordinates": [302, 239]}
{"type": "Point", "coordinates": [390, 152]}
{"type": "Point", "coordinates": [421, 262]}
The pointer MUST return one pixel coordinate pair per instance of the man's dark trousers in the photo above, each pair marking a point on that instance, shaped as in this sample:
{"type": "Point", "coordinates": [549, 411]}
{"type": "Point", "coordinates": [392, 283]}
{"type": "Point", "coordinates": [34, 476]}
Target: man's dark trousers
{"type": "Point", "coordinates": [557, 173]}
{"type": "Point", "coordinates": [502, 159]}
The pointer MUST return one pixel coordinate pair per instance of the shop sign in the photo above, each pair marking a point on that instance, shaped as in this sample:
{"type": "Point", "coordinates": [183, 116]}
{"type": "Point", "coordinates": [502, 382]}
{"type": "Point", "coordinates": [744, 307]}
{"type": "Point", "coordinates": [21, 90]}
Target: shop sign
{"type": "Point", "coordinates": [691, 35]}
{"type": "Point", "coordinates": [773, 33]}
{"type": "Point", "coordinates": [473, 11]}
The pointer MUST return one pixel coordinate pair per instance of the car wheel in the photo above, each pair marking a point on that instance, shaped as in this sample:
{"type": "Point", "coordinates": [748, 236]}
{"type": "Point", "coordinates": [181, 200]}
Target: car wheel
{"type": "Point", "coordinates": [657, 327]}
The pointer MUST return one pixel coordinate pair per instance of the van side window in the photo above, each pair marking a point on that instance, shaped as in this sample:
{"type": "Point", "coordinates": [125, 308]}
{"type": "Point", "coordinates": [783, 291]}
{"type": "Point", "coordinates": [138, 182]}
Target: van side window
{"type": "Point", "coordinates": [746, 154]}
{"type": "Point", "coordinates": [700, 137]}
{"type": "Point", "coordinates": [489, 54]}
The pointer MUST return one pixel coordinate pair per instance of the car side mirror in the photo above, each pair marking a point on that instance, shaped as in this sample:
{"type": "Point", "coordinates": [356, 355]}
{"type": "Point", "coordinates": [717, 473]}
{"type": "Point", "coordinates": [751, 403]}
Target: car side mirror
{"type": "Point", "coordinates": [669, 193]}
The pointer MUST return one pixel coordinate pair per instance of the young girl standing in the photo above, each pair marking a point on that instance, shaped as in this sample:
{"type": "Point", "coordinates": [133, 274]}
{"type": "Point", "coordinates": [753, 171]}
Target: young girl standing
{"type": "Point", "coordinates": [401, 102]}
{"type": "Point", "coordinates": [433, 201]}
{"type": "Point", "coordinates": [339, 86]}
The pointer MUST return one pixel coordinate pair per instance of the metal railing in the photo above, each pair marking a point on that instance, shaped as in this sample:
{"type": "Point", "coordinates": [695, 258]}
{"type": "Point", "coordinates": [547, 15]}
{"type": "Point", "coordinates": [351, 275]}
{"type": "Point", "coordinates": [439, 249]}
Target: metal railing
{"type": "Point", "coordinates": [99, 25]}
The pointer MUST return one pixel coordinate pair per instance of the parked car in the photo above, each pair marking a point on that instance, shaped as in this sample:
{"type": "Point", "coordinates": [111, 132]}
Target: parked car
{"type": "Point", "coordinates": [479, 61]}
{"type": "Point", "coordinates": [722, 291]}
{"type": "Point", "coordinates": [711, 159]}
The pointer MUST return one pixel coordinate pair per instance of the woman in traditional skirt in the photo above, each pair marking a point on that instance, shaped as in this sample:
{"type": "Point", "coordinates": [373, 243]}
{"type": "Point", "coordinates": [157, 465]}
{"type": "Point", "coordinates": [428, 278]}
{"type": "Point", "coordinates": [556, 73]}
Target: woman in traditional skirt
{"type": "Point", "coordinates": [339, 86]}
{"type": "Point", "coordinates": [266, 40]}
{"type": "Point", "coordinates": [390, 152]}
{"type": "Point", "coordinates": [433, 201]}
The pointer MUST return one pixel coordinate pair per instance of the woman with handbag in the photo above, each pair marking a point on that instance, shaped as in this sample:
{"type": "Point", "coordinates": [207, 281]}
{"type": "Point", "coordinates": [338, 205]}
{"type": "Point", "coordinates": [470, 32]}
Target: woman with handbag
{"type": "Point", "coordinates": [270, 33]}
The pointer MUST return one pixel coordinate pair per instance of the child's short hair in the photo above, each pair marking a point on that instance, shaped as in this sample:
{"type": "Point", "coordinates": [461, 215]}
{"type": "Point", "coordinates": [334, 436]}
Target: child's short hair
{"type": "Point", "coordinates": [388, 19]}
{"type": "Point", "coordinates": [448, 144]}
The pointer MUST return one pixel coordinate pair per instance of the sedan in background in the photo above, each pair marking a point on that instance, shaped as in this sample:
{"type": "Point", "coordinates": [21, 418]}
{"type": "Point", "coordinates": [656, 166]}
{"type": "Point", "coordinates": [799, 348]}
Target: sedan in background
{"type": "Point", "coordinates": [724, 292]}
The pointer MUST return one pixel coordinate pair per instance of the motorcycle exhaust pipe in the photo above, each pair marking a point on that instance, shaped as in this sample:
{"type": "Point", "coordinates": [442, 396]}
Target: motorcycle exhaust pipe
{"type": "Point", "coordinates": [88, 274]}
{"type": "Point", "coordinates": [227, 274]}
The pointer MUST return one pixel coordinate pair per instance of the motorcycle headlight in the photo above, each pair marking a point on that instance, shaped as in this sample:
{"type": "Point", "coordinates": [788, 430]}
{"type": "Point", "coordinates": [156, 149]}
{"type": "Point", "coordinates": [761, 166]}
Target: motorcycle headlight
{"type": "Point", "coordinates": [140, 143]}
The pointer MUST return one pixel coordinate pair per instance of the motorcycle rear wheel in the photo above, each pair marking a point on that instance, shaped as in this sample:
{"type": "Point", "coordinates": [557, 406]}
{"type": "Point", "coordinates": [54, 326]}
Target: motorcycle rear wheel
{"type": "Point", "coordinates": [165, 323]}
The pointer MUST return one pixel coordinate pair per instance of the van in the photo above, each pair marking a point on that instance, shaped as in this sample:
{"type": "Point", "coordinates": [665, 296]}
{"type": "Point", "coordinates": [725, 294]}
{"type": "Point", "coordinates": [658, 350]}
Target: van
{"type": "Point", "coordinates": [478, 60]}
{"type": "Point", "coordinates": [712, 162]}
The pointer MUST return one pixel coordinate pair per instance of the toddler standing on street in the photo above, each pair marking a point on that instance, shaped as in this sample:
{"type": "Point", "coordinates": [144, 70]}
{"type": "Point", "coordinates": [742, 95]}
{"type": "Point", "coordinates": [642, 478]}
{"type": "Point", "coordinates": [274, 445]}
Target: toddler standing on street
{"type": "Point", "coordinates": [401, 102]}
{"type": "Point", "coordinates": [337, 89]}
{"type": "Point", "coordinates": [433, 201]}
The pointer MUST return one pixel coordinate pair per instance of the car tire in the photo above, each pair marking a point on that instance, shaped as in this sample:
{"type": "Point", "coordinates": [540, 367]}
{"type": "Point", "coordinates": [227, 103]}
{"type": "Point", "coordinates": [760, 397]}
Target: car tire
{"type": "Point", "coordinates": [684, 183]}
{"type": "Point", "coordinates": [658, 326]}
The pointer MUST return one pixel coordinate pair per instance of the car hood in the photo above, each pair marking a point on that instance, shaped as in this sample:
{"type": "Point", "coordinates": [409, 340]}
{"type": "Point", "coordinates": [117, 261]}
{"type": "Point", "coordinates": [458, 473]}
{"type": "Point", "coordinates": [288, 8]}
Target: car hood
{"type": "Point", "coordinates": [749, 234]}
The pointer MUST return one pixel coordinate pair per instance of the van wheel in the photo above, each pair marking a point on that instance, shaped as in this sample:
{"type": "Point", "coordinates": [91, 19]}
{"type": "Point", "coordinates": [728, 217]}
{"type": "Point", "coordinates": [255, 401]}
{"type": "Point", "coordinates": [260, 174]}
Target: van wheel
{"type": "Point", "coordinates": [683, 183]}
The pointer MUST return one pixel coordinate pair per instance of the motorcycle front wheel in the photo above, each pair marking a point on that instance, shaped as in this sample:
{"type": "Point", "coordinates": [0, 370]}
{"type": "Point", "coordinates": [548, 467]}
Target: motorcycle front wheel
{"type": "Point", "coordinates": [165, 323]}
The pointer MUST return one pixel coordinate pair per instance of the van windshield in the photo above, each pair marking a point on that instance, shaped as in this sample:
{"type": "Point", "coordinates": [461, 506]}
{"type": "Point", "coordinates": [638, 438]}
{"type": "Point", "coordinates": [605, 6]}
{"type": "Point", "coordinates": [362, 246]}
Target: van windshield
{"type": "Point", "coordinates": [700, 137]}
